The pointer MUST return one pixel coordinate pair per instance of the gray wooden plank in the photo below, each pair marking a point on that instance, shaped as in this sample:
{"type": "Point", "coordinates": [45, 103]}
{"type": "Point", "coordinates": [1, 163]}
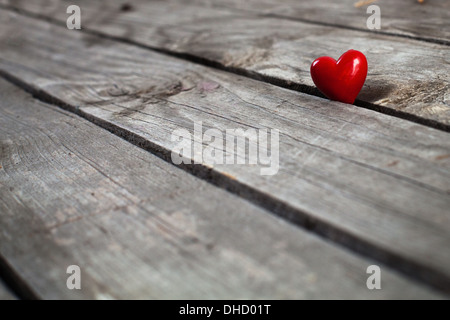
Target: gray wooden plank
{"type": "Point", "coordinates": [138, 227]}
{"type": "Point", "coordinates": [429, 20]}
{"type": "Point", "coordinates": [375, 183]}
{"type": "Point", "coordinates": [406, 77]}
{"type": "Point", "coordinates": [5, 293]}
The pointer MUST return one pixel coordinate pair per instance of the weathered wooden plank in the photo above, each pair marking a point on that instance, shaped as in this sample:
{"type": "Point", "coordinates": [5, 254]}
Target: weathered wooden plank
{"type": "Point", "coordinates": [5, 294]}
{"type": "Point", "coordinates": [429, 20]}
{"type": "Point", "coordinates": [406, 77]}
{"type": "Point", "coordinates": [375, 183]}
{"type": "Point", "coordinates": [138, 227]}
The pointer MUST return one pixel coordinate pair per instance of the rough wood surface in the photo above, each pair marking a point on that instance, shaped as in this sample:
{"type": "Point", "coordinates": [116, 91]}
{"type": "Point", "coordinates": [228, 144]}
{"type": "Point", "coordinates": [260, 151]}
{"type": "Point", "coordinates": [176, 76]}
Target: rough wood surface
{"type": "Point", "coordinates": [375, 183]}
{"type": "Point", "coordinates": [5, 294]}
{"type": "Point", "coordinates": [429, 20]}
{"type": "Point", "coordinates": [138, 227]}
{"type": "Point", "coordinates": [406, 77]}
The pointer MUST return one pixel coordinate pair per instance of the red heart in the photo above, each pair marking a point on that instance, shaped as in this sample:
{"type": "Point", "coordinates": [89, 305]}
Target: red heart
{"type": "Point", "coordinates": [340, 80]}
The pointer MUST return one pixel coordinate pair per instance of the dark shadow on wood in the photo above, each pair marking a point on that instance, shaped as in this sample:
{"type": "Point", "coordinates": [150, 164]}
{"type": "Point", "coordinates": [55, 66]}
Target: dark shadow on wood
{"type": "Point", "coordinates": [311, 90]}
{"type": "Point", "coordinates": [15, 283]}
{"type": "Point", "coordinates": [414, 270]}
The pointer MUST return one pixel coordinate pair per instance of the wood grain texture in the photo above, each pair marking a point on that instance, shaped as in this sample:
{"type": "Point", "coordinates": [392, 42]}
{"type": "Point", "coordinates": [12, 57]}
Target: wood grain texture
{"type": "Point", "coordinates": [408, 78]}
{"type": "Point", "coordinates": [5, 294]}
{"type": "Point", "coordinates": [138, 227]}
{"type": "Point", "coordinates": [375, 183]}
{"type": "Point", "coordinates": [429, 20]}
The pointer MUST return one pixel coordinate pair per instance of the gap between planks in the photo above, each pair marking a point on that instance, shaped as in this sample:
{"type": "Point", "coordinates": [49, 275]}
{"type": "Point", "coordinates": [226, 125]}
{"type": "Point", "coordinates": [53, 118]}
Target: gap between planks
{"type": "Point", "coordinates": [404, 36]}
{"type": "Point", "coordinates": [12, 285]}
{"type": "Point", "coordinates": [140, 234]}
{"type": "Point", "coordinates": [5, 293]}
{"type": "Point", "coordinates": [280, 82]}
{"type": "Point", "coordinates": [415, 271]}
{"type": "Point", "coordinates": [255, 11]}
{"type": "Point", "coordinates": [255, 195]}
{"type": "Point", "coordinates": [299, 12]}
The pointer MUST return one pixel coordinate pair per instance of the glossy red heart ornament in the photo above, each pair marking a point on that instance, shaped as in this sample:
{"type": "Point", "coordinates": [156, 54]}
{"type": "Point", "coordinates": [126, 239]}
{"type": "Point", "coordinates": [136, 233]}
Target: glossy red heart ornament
{"type": "Point", "coordinates": [340, 80]}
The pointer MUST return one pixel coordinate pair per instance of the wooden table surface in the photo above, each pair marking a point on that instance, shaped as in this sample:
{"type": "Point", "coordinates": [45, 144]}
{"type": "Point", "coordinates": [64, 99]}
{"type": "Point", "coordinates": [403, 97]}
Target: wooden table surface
{"type": "Point", "coordinates": [87, 119]}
